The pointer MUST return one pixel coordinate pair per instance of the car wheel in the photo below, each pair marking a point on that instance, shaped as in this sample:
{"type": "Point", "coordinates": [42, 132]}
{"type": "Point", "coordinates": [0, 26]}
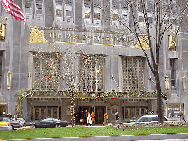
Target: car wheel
{"type": "Point", "coordinates": [33, 126]}
{"type": "Point", "coordinates": [56, 125]}
{"type": "Point", "coordinates": [13, 128]}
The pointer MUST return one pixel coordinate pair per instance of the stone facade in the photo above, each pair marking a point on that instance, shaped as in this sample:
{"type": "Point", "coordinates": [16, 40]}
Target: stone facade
{"type": "Point", "coordinates": [74, 43]}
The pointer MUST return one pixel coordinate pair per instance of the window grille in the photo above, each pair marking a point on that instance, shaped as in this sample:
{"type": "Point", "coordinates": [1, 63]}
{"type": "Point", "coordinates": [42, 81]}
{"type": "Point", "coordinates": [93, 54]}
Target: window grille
{"type": "Point", "coordinates": [91, 74]}
{"type": "Point", "coordinates": [133, 73]}
{"type": "Point", "coordinates": [46, 68]}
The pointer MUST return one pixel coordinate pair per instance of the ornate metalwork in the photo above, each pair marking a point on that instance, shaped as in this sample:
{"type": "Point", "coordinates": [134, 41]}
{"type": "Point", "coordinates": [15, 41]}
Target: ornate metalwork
{"type": "Point", "coordinates": [2, 31]}
{"type": "Point", "coordinates": [37, 36]}
{"type": "Point", "coordinates": [144, 42]}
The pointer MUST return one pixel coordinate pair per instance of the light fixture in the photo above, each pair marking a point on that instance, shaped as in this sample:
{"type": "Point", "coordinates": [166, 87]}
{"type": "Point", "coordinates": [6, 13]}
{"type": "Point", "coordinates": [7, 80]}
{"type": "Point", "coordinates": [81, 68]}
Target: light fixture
{"type": "Point", "coordinates": [184, 83]}
{"type": "Point", "coordinates": [167, 82]}
{"type": "Point", "coordinates": [9, 77]}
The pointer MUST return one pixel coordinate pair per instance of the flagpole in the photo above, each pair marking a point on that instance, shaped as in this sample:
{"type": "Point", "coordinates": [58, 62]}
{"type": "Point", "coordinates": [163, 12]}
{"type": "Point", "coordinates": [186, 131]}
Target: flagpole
{"type": "Point", "coordinates": [6, 18]}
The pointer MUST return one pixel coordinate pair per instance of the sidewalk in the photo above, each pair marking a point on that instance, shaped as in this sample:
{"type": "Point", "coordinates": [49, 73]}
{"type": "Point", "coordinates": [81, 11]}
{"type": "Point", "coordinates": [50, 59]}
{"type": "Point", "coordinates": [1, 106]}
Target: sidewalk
{"type": "Point", "coordinates": [96, 125]}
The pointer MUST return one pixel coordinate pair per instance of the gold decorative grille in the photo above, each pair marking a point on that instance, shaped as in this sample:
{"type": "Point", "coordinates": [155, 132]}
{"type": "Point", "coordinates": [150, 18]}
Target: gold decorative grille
{"type": "Point", "coordinates": [91, 74]}
{"type": "Point", "coordinates": [133, 73]}
{"type": "Point", "coordinates": [46, 68]}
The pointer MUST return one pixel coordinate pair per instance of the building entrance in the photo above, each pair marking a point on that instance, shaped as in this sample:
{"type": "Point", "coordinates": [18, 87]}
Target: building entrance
{"type": "Point", "coordinates": [99, 114]}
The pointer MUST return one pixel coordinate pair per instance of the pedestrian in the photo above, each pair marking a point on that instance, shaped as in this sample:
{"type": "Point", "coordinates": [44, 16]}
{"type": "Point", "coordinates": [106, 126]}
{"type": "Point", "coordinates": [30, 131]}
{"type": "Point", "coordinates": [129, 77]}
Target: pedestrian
{"type": "Point", "coordinates": [117, 116]}
{"type": "Point", "coordinates": [183, 117]}
{"type": "Point", "coordinates": [93, 117]}
{"type": "Point", "coordinates": [85, 117]}
{"type": "Point", "coordinates": [89, 119]}
{"type": "Point", "coordinates": [105, 119]}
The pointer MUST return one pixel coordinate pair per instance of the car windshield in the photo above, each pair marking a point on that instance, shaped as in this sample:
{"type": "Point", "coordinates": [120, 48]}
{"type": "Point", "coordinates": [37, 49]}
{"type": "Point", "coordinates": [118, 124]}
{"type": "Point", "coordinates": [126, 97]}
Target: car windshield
{"type": "Point", "coordinates": [5, 119]}
{"type": "Point", "coordinates": [149, 119]}
{"type": "Point", "coordinates": [142, 119]}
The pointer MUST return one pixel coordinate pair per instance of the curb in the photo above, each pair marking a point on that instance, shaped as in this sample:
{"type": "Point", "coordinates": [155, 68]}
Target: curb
{"type": "Point", "coordinates": [98, 137]}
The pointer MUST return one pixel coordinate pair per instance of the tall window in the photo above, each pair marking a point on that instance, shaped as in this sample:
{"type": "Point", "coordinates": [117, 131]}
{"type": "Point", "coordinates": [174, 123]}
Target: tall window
{"type": "Point", "coordinates": [91, 73]}
{"type": "Point", "coordinates": [88, 7]}
{"type": "Point", "coordinates": [39, 6]}
{"type": "Point", "coordinates": [133, 73]}
{"type": "Point", "coordinates": [173, 72]}
{"type": "Point", "coordinates": [115, 7]}
{"type": "Point", "coordinates": [46, 68]}
{"type": "Point", "coordinates": [28, 6]}
{"type": "Point", "coordinates": [68, 8]}
{"type": "Point", "coordinates": [97, 7]}
{"type": "Point", "coordinates": [59, 8]}
{"type": "Point", "coordinates": [124, 7]}
{"type": "Point", "coordinates": [1, 60]}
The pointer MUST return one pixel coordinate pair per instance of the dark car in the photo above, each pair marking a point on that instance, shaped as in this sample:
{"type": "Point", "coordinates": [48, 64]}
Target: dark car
{"type": "Point", "coordinates": [14, 123]}
{"type": "Point", "coordinates": [48, 123]}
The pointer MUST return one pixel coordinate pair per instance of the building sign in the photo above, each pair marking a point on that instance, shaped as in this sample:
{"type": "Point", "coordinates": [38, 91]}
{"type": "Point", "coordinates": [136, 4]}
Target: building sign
{"type": "Point", "coordinates": [49, 35]}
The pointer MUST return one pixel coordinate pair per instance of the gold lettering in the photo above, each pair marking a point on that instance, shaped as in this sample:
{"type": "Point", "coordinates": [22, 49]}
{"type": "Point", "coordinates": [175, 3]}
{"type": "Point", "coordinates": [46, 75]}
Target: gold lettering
{"type": "Point", "coordinates": [98, 38]}
{"type": "Point", "coordinates": [69, 36]}
{"type": "Point", "coordinates": [50, 34]}
{"type": "Point", "coordinates": [75, 36]}
{"type": "Point", "coordinates": [107, 38]}
{"type": "Point", "coordinates": [89, 38]}
{"type": "Point", "coordinates": [59, 35]}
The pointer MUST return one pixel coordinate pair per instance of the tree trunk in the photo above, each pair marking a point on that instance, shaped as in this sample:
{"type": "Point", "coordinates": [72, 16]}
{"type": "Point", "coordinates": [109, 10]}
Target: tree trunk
{"type": "Point", "coordinates": [159, 103]}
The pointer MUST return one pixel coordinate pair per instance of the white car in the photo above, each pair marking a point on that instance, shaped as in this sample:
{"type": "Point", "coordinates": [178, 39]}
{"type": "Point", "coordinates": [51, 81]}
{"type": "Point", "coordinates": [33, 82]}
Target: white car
{"type": "Point", "coordinates": [22, 121]}
{"type": "Point", "coordinates": [147, 119]}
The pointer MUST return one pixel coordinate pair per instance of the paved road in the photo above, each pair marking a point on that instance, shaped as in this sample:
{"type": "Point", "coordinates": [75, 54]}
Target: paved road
{"type": "Point", "coordinates": [167, 137]}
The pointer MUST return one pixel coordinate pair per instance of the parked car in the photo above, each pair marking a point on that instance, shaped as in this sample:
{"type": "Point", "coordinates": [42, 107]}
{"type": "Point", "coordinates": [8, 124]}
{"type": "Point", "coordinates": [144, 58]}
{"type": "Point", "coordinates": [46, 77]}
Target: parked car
{"type": "Point", "coordinates": [47, 123]}
{"type": "Point", "coordinates": [14, 123]}
{"type": "Point", "coordinates": [22, 121]}
{"type": "Point", "coordinates": [5, 126]}
{"type": "Point", "coordinates": [133, 119]}
{"type": "Point", "coordinates": [147, 119]}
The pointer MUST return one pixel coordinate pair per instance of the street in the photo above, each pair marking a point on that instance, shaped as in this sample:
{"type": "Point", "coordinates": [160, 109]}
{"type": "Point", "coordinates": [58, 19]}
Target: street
{"type": "Point", "coordinates": [180, 137]}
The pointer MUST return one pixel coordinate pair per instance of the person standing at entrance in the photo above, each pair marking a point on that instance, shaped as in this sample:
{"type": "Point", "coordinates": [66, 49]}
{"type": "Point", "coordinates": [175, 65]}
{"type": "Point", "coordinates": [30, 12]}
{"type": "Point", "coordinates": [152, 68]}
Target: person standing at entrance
{"type": "Point", "coordinates": [93, 117]}
{"type": "Point", "coordinates": [89, 119]}
{"type": "Point", "coordinates": [117, 116]}
{"type": "Point", "coordinates": [85, 117]}
{"type": "Point", "coordinates": [105, 119]}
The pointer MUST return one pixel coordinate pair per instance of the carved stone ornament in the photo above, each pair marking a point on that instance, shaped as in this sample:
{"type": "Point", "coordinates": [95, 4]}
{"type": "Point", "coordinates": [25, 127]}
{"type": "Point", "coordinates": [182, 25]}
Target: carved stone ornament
{"type": "Point", "coordinates": [144, 42]}
{"type": "Point", "coordinates": [37, 36]}
{"type": "Point", "coordinates": [172, 42]}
